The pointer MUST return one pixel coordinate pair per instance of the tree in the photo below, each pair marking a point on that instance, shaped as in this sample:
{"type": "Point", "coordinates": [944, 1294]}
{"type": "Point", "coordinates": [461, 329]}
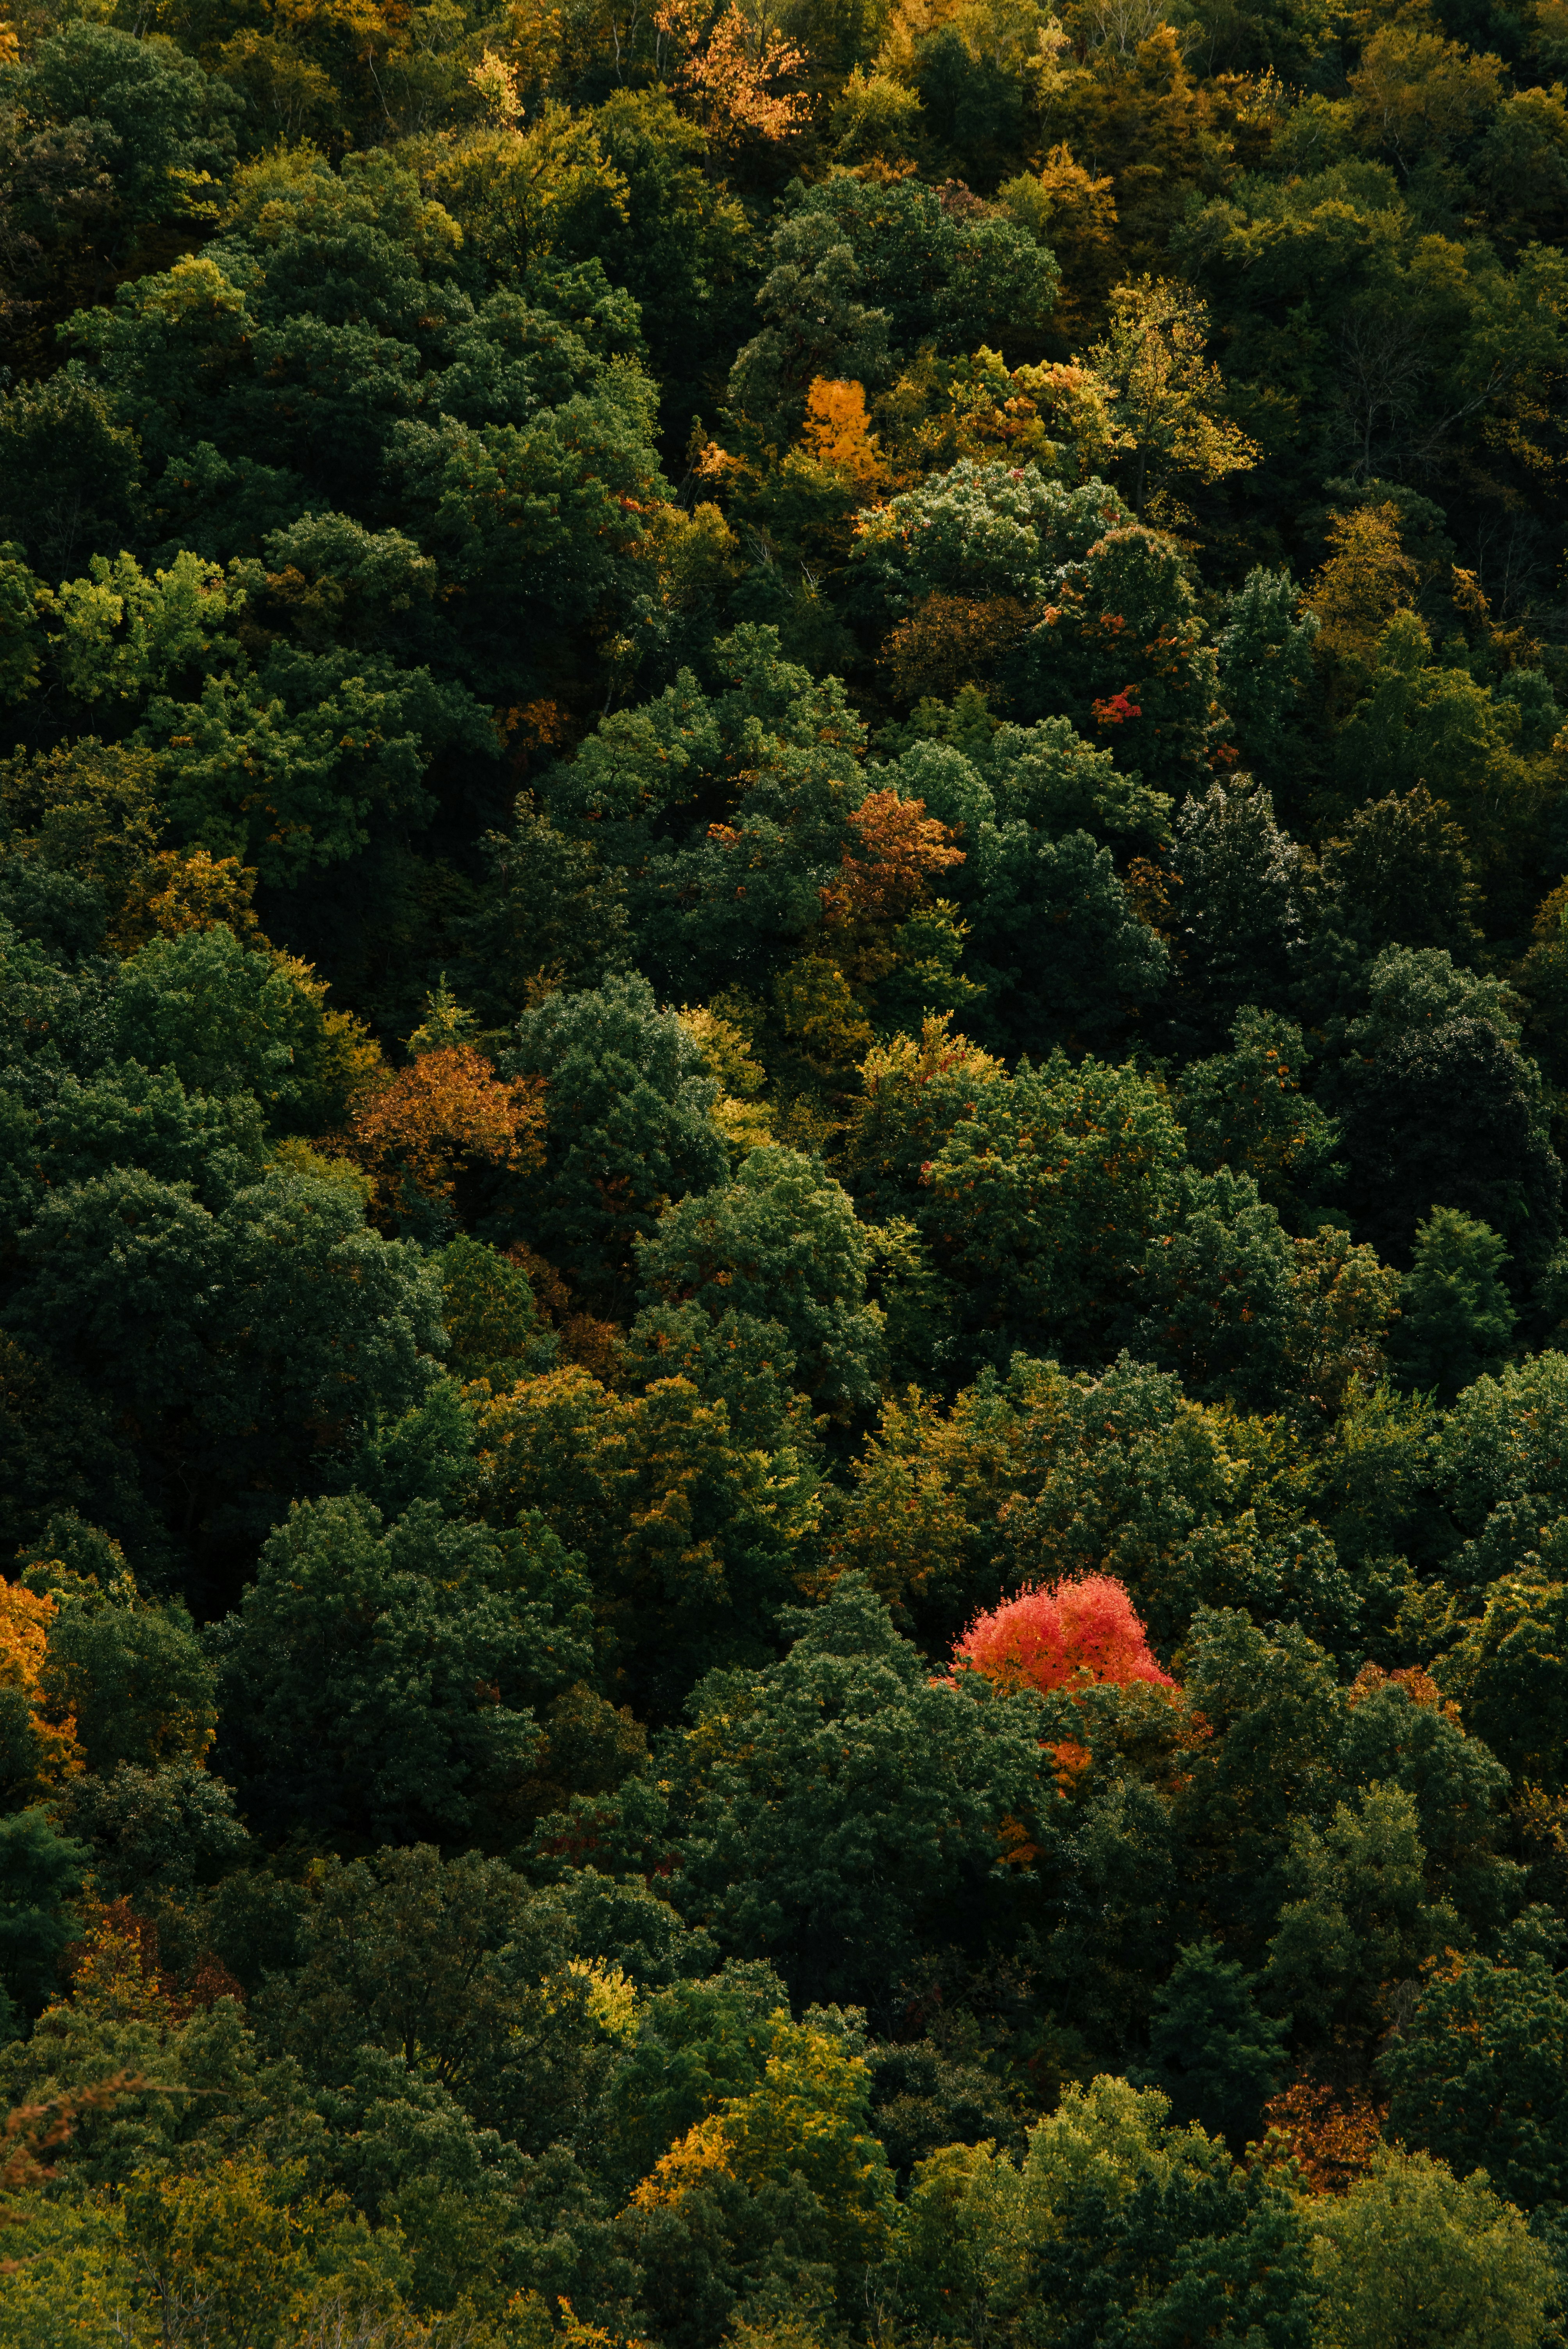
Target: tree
{"type": "Point", "coordinates": [256, 2251]}
{"type": "Point", "coordinates": [1423, 723]}
{"type": "Point", "coordinates": [1440, 1109]}
{"type": "Point", "coordinates": [1358, 1913]}
{"type": "Point", "coordinates": [155, 1834]}
{"type": "Point", "coordinates": [1367, 579]}
{"type": "Point", "coordinates": [1455, 1318]}
{"type": "Point", "coordinates": [133, 1677]}
{"type": "Point", "coordinates": [697, 1534]}
{"type": "Point", "coordinates": [550, 913]}
{"type": "Point", "coordinates": [421, 1129]}
{"type": "Point", "coordinates": [729, 69]}
{"type": "Point", "coordinates": [1057, 945]}
{"type": "Point", "coordinates": [1266, 671]}
{"type": "Point", "coordinates": [914, 1089]}
{"type": "Point", "coordinates": [628, 1099]}
{"type": "Point", "coordinates": [240, 1346]}
{"type": "Point", "coordinates": [40, 1876]}
{"type": "Point", "coordinates": [1168, 399]}
{"type": "Point", "coordinates": [228, 1018]}
{"type": "Point", "coordinates": [831, 1803]}
{"type": "Point", "coordinates": [113, 137]}
{"type": "Point", "coordinates": [457, 1966]}
{"type": "Point", "coordinates": [1510, 1671]}
{"type": "Point", "coordinates": [1219, 1301]}
{"type": "Point", "coordinates": [495, 1329]}
{"type": "Point", "coordinates": [1209, 2050]}
{"type": "Point", "coordinates": [1011, 1181]}
{"type": "Point", "coordinates": [1131, 2225]}
{"type": "Point", "coordinates": [1401, 873]}
{"type": "Point", "coordinates": [777, 1244]}
{"type": "Point", "coordinates": [382, 1683]}
{"type": "Point", "coordinates": [1246, 1109]}
{"type": "Point", "coordinates": [1243, 900]}
{"type": "Point", "coordinates": [1479, 2075]}
{"type": "Point", "coordinates": [40, 1745]}
{"type": "Point", "coordinates": [1410, 2254]}
{"type": "Point", "coordinates": [806, 2121]}
{"type": "Point", "coordinates": [697, 2045]}
{"type": "Point", "coordinates": [1080, 1631]}
{"type": "Point", "coordinates": [983, 529]}
{"type": "Point", "coordinates": [816, 327]}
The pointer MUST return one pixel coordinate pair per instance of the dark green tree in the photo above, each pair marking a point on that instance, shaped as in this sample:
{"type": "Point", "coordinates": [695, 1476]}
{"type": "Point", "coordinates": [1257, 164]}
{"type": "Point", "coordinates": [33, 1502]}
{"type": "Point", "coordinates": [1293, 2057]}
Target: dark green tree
{"type": "Point", "coordinates": [627, 1104]}
{"type": "Point", "coordinates": [1456, 1320]}
{"type": "Point", "coordinates": [832, 1806]}
{"type": "Point", "coordinates": [454, 1965]}
{"type": "Point", "coordinates": [778, 1245]}
{"type": "Point", "coordinates": [40, 1875]}
{"type": "Point", "coordinates": [381, 1684]}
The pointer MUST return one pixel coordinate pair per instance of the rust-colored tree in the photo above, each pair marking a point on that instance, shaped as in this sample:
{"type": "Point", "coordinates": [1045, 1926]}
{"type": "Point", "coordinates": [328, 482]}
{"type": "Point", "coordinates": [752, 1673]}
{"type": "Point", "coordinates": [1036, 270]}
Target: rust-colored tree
{"type": "Point", "coordinates": [422, 1128]}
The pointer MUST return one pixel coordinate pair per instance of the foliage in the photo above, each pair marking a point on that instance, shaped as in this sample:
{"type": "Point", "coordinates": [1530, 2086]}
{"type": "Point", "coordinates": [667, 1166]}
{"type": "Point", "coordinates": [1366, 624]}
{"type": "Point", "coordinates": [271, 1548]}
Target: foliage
{"type": "Point", "coordinates": [783, 1033]}
{"type": "Point", "coordinates": [1057, 1637]}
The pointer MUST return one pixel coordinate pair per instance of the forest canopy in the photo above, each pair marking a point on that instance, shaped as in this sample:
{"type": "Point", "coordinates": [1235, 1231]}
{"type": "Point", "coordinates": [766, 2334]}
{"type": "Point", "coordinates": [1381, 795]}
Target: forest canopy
{"type": "Point", "coordinates": [783, 1089]}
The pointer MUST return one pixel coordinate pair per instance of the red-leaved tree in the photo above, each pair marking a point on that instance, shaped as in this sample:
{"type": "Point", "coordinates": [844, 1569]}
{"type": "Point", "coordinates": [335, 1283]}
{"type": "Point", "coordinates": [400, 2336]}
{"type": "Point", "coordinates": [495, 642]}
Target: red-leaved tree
{"type": "Point", "coordinates": [1054, 1636]}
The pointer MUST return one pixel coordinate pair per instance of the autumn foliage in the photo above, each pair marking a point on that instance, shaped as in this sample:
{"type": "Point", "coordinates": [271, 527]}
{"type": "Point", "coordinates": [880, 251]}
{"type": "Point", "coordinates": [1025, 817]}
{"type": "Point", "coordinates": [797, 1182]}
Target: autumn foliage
{"type": "Point", "coordinates": [25, 1619]}
{"type": "Point", "coordinates": [420, 1129]}
{"type": "Point", "coordinates": [838, 433]}
{"type": "Point", "coordinates": [897, 851]}
{"type": "Point", "coordinates": [1060, 1636]}
{"type": "Point", "coordinates": [1332, 2137]}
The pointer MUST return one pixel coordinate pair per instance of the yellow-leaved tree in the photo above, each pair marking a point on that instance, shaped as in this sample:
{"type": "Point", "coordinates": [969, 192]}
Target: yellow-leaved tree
{"type": "Point", "coordinates": [1167, 396]}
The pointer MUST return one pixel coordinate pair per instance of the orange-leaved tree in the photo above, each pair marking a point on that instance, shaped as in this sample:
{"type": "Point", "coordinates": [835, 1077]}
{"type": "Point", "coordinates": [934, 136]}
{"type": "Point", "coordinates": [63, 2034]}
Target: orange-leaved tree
{"type": "Point", "coordinates": [1063, 1635]}
{"type": "Point", "coordinates": [896, 851]}
{"type": "Point", "coordinates": [837, 432]}
{"type": "Point", "coordinates": [426, 1125]}
{"type": "Point", "coordinates": [729, 63]}
{"type": "Point", "coordinates": [46, 1734]}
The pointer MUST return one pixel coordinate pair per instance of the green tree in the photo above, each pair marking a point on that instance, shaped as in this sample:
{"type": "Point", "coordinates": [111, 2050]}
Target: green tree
{"type": "Point", "coordinates": [1012, 1189]}
{"type": "Point", "coordinates": [1412, 2254]}
{"type": "Point", "coordinates": [457, 1966]}
{"type": "Point", "coordinates": [551, 912]}
{"type": "Point", "coordinates": [696, 1534]}
{"type": "Point", "coordinates": [494, 1327]}
{"type": "Point", "coordinates": [833, 1804]}
{"type": "Point", "coordinates": [110, 137]}
{"type": "Point", "coordinates": [1055, 945]}
{"type": "Point", "coordinates": [154, 1834]}
{"type": "Point", "coordinates": [1401, 873]}
{"type": "Point", "coordinates": [628, 1103]}
{"type": "Point", "coordinates": [696, 2044]}
{"type": "Point", "coordinates": [777, 1244]}
{"type": "Point", "coordinates": [134, 1677]}
{"type": "Point", "coordinates": [1442, 1109]}
{"type": "Point", "coordinates": [1246, 1109]}
{"type": "Point", "coordinates": [1210, 2051]}
{"type": "Point", "coordinates": [213, 1142]}
{"type": "Point", "coordinates": [1116, 2223]}
{"type": "Point", "coordinates": [243, 1346]}
{"type": "Point", "coordinates": [1510, 1669]}
{"type": "Point", "coordinates": [1356, 1914]}
{"type": "Point", "coordinates": [1455, 1318]}
{"type": "Point", "coordinates": [380, 1684]}
{"type": "Point", "coordinates": [1243, 900]}
{"type": "Point", "coordinates": [40, 1875]}
{"type": "Point", "coordinates": [1479, 2075]}
{"type": "Point", "coordinates": [1265, 657]}
{"type": "Point", "coordinates": [983, 529]}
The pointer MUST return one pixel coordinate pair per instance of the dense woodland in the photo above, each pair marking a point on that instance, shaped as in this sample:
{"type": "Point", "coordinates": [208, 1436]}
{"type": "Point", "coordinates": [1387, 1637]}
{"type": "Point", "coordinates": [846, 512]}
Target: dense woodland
{"type": "Point", "coordinates": [783, 1071]}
